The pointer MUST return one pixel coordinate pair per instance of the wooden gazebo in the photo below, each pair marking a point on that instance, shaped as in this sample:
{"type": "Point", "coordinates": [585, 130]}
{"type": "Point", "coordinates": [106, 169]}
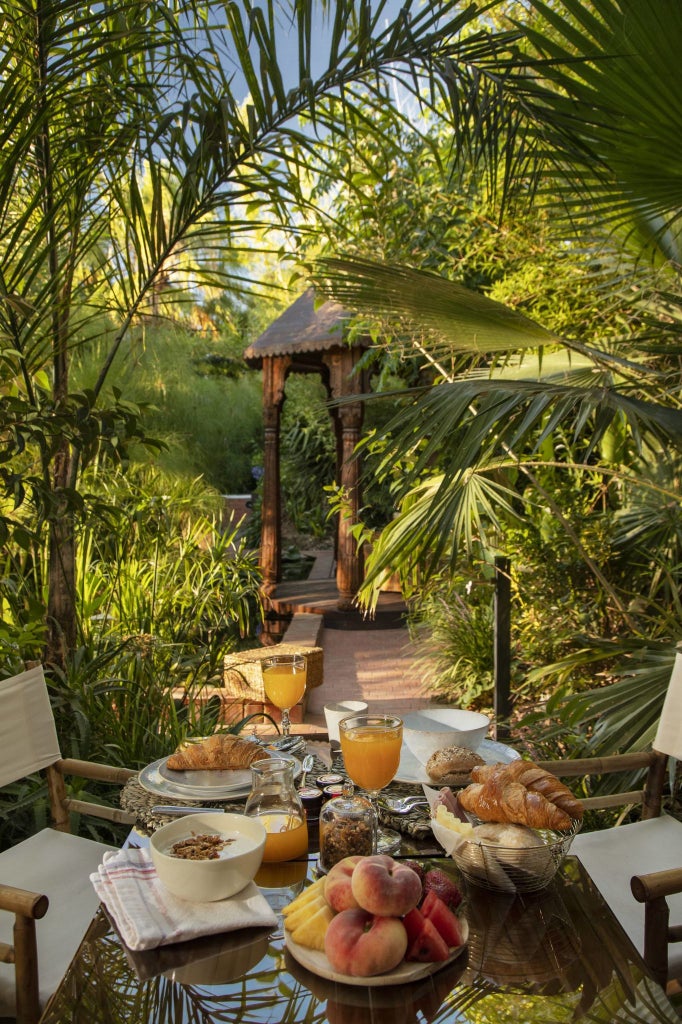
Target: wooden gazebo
{"type": "Point", "coordinates": [310, 338]}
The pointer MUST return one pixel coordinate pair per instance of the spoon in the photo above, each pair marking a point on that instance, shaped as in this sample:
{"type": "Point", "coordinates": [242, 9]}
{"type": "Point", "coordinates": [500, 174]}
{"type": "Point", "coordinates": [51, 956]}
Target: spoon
{"type": "Point", "coordinates": [306, 764]}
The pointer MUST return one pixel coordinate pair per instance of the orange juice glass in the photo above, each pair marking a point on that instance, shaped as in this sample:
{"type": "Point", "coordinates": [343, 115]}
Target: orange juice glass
{"type": "Point", "coordinates": [371, 754]}
{"type": "Point", "coordinates": [284, 681]}
{"type": "Point", "coordinates": [370, 745]}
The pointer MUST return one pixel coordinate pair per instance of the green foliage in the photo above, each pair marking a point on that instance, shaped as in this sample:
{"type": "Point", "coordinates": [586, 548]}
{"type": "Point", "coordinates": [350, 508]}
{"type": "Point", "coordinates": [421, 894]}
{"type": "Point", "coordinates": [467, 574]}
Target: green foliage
{"type": "Point", "coordinates": [451, 626]}
{"type": "Point", "coordinates": [308, 455]}
{"type": "Point", "coordinates": [211, 423]}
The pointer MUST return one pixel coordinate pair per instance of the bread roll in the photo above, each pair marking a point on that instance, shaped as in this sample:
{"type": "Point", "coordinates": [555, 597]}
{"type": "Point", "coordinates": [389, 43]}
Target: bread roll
{"type": "Point", "coordinates": [504, 855]}
{"type": "Point", "coordinates": [451, 766]}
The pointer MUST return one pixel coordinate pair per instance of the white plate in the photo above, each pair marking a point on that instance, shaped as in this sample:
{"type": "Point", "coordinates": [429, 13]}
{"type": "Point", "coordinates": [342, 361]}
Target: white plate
{"type": "Point", "coordinates": [200, 785]}
{"type": "Point", "coordinates": [317, 962]}
{"type": "Point", "coordinates": [412, 770]}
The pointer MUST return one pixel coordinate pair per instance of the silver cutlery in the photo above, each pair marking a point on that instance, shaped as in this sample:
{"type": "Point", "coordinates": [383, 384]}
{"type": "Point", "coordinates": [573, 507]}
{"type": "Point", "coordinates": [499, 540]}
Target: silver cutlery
{"type": "Point", "coordinates": [173, 809]}
{"type": "Point", "coordinates": [306, 764]}
{"type": "Point", "coordinates": [403, 804]}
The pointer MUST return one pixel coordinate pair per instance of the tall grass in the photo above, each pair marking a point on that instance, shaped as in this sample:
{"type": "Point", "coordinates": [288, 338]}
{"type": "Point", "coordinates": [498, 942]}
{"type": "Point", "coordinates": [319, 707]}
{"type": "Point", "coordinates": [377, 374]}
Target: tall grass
{"type": "Point", "coordinates": [211, 422]}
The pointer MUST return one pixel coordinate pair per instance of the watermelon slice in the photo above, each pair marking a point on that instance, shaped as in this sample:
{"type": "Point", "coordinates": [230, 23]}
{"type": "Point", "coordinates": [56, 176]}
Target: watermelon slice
{"type": "Point", "coordinates": [435, 911]}
{"type": "Point", "coordinates": [428, 946]}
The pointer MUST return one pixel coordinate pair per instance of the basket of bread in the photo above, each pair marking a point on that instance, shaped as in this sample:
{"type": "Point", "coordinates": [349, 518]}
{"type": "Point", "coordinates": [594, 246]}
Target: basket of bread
{"type": "Point", "coordinates": [510, 829]}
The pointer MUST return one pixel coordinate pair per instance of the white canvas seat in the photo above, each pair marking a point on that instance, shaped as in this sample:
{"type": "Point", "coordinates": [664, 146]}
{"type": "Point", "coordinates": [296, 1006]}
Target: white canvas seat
{"type": "Point", "coordinates": [624, 862]}
{"type": "Point", "coordinates": [56, 864]}
{"type": "Point", "coordinates": [46, 898]}
{"type": "Point", "coordinates": [613, 856]}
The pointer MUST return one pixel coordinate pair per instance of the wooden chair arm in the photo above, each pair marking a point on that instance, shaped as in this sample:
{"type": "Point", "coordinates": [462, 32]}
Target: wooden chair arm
{"type": "Point", "coordinates": [573, 767]}
{"type": "Point", "coordinates": [93, 770]}
{"type": "Point", "coordinates": [651, 889]}
{"type": "Point", "coordinates": [656, 884]}
{"type": "Point", "coordinates": [23, 902]}
{"type": "Point", "coordinates": [27, 907]}
{"type": "Point", "coordinates": [62, 806]}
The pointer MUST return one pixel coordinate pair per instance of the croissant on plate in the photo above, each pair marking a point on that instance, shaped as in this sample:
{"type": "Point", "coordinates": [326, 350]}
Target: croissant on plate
{"type": "Point", "coordinates": [218, 752]}
{"type": "Point", "coordinates": [536, 779]}
{"type": "Point", "coordinates": [509, 801]}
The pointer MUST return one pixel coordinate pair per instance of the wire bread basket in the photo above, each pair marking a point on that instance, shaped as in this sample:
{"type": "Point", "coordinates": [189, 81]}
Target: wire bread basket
{"type": "Point", "coordinates": [509, 869]}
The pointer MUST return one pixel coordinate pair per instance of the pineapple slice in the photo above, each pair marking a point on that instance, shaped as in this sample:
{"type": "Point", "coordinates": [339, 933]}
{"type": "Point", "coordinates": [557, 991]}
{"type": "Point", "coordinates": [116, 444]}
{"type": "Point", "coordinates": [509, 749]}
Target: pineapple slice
{"type": "Point", "coordinates": [304, 913]}
{"type": "Point", "coordinates": [312, 928]}
{"type": "Point", "coordinates": [309, 895]}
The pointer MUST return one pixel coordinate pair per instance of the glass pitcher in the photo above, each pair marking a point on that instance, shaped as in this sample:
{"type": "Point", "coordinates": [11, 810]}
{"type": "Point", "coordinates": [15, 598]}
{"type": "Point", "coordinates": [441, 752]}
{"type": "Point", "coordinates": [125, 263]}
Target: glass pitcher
{"type": "Point", "coordinates": [274, 799]}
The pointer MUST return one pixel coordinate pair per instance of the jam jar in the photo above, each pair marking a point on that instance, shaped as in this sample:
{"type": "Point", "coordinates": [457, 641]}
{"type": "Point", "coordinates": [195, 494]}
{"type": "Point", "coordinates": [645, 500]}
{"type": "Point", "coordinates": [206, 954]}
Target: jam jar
{"type": "Point", "coordinates": [348, 827]}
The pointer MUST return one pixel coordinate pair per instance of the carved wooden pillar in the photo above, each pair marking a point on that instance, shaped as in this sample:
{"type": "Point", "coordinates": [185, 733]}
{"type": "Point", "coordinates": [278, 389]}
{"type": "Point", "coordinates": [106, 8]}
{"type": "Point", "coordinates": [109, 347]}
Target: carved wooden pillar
{"type": "Point", "coordinates": [348, 425]}
{"type": "Point", "coordinates": [274, 376]}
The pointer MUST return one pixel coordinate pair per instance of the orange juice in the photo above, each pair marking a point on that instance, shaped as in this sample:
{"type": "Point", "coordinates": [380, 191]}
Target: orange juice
{"type": "Point", "coordinates": [284, 685]}
{"type": "Point", "coordinates": [371, 754]}
{"type": "Point", "coordinates": [287, 837]}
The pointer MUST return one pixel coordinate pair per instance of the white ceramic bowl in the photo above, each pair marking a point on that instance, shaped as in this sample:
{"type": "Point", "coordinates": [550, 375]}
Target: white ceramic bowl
{"type": "Point", "coordinates": [431, 729]}
{"type": "Point", "coordinates": [209, 880]}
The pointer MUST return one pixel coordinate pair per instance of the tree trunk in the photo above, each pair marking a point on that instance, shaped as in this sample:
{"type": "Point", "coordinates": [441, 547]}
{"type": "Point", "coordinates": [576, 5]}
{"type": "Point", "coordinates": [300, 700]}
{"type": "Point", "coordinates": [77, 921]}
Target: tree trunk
{"type": "Point", "coordinates": [61, 601]}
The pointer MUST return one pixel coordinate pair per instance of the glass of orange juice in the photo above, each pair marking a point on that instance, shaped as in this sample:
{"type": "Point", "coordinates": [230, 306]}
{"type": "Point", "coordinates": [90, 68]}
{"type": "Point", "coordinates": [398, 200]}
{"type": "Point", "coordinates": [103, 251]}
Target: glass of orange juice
{"type": "Point", "coordinates": [370, 745]}
{"type": "Point", "coordinates": [284, 679]}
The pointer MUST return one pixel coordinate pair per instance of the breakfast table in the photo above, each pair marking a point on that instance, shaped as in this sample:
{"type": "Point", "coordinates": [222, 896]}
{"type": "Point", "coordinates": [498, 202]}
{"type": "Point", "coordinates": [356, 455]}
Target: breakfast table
{"type": "Point", "coordinates": [544, 958]}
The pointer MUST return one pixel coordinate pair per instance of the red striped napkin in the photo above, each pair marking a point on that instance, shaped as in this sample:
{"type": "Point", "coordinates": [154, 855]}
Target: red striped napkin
{"type": "Point", "coordinates": [148, 915]}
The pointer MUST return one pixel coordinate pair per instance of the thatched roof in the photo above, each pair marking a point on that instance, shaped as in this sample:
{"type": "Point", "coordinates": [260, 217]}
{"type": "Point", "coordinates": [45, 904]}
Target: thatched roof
{"type": "Point", "coordinates": [301, 328]}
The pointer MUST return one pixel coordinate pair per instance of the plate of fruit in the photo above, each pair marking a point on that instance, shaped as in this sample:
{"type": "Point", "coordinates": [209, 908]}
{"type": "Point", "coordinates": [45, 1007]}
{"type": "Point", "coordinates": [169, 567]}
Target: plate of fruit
{"type": "Point", "coordinates": [375, 921]}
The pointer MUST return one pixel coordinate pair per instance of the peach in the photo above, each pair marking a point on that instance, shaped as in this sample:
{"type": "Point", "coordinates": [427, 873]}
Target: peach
{"type": "Point", "coordinates": [337, 884]}
{"type": "Point", "coordinates": [362, 944]}
{"type": "Point", "coordinates": [385, 887]}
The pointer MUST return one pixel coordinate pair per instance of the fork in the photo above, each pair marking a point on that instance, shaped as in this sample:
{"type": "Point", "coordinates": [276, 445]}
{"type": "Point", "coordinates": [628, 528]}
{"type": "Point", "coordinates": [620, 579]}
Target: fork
{"type": "Point", "coordinates": [403, 804]}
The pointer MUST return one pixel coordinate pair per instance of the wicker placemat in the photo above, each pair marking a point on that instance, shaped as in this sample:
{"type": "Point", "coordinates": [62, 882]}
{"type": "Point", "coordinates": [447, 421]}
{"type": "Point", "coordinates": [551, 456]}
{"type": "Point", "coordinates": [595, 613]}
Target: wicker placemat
{"type": "Point", "coordinates": [138, 801]}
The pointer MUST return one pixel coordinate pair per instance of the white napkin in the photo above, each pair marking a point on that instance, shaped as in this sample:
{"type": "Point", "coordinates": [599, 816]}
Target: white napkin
{"type": "Point", "coordinates": [148, 915]}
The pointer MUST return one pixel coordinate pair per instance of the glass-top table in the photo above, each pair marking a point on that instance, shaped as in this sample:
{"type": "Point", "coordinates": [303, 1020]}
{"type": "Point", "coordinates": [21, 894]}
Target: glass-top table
{"type": "Point", "coordinates": [548, 959]}
{"type": "Point", "coordinates": [552, 958]}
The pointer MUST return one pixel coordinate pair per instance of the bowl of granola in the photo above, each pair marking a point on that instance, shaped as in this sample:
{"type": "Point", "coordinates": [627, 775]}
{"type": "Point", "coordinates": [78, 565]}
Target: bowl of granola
{"type": "Point", "coordinates": [208, 856]}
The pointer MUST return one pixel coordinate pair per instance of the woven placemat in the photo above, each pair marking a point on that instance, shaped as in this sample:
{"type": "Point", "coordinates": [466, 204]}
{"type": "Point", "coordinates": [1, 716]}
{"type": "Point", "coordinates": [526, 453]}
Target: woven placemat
{"type": "Point", "coordinates": [139, 801]}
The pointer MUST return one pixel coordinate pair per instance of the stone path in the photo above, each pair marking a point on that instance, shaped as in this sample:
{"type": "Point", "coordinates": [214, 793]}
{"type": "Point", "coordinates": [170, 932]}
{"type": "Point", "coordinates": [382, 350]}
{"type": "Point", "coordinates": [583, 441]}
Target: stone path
{"type": "Point", "coordinates": [372, 665]}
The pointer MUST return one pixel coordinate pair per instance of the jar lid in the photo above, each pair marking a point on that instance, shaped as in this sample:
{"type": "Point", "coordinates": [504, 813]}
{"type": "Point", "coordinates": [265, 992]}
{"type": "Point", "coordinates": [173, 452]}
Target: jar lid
{"type": "Point", "coordinates": [329, 779]}
{"type": "Point", "coordinates": [332, 791]}
{"type": "Point", "coordinates": [311, 797]}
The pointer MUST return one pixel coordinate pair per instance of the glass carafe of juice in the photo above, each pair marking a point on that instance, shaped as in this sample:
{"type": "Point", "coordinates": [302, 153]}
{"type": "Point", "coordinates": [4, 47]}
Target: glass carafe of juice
{"type": "Point", "coordinates": [274, 799]}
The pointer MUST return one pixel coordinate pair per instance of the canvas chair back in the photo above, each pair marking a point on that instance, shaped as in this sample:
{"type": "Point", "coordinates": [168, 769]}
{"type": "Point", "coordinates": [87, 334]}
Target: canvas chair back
{"type": "Point", "coordinates": [28, 738]}
{"type": "Point", "coordinates": [669, 733]}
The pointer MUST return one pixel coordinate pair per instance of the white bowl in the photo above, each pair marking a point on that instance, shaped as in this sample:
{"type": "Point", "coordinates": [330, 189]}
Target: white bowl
{"type": "Point", "coordinates": [429, 730]}
{"type": "Point", "coordinates": [208, 880]}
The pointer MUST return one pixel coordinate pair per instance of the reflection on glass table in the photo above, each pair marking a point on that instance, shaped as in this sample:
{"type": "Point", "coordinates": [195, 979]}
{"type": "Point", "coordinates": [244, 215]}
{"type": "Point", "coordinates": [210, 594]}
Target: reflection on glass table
{"type": "Point", "coordinates": [554, 957]}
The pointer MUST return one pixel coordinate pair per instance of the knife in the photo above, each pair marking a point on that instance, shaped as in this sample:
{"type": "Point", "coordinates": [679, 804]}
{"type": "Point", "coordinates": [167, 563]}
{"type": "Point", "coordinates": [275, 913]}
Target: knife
{"type": "Point", "coordinates": [173, 809]}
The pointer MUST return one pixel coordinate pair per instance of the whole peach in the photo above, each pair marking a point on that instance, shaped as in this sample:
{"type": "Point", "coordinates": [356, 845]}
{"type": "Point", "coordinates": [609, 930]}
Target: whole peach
{"type": "Point", "coordinates": [337, 884]}
{"type": "Point", "coordinates": [363, 944]}
{"type": "Point", "coordinates": [385, 887]}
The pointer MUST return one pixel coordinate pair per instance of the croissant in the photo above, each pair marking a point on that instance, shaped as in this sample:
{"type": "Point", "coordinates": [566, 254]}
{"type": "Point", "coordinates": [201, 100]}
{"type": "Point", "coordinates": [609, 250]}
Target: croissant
{"type": "Point", "coordinates": [536, 779]}
{"type": "Point", "coordinates": [221, 751]}
{"type": "Point", "coordinates": [497, 800]}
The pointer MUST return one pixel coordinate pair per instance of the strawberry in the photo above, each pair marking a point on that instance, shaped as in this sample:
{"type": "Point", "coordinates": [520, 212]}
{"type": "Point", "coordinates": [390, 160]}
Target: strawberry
{"type": "Point", "coordinates": [442, 885]}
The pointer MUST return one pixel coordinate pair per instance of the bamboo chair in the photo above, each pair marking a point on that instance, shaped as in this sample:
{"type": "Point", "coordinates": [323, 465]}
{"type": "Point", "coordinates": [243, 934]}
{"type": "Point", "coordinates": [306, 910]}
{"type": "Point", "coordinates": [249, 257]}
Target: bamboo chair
{"type": "Point", "coordinates": [641, 862]}
{"type": "Point", "coordinates": [52, 868]}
